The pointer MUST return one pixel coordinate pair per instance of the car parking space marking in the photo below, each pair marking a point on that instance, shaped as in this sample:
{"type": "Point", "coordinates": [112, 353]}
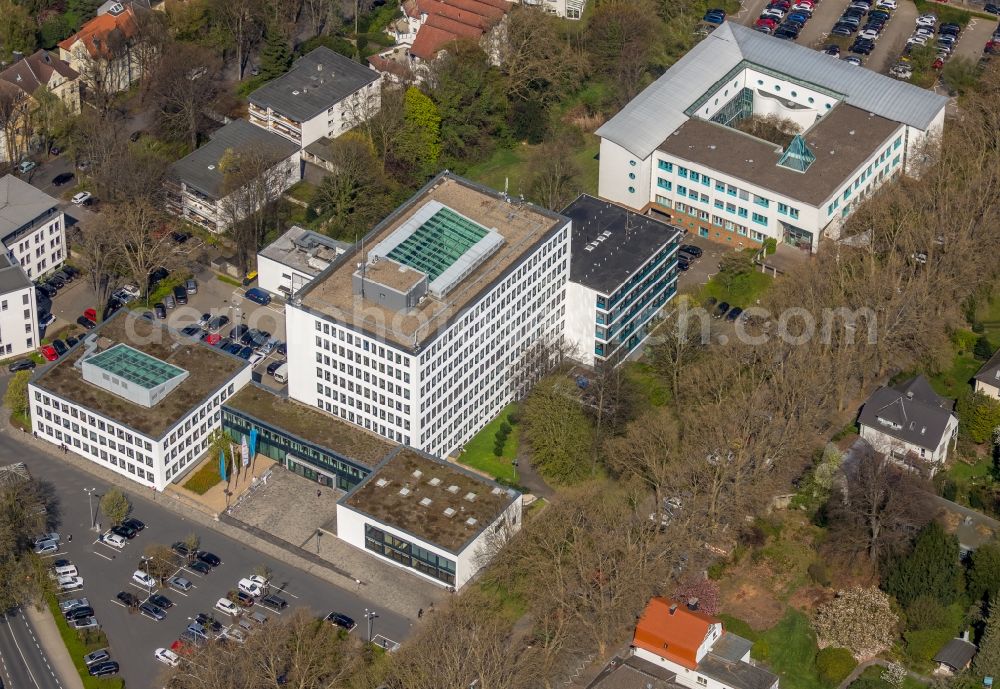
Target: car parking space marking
{"type": "Point", "coordinates": [282, 592]}
{"type": "Point", "coordinates": [109, 559]}
{"type": "Point", "coordinates": [51, 555]}
{"type": "Point", "coordinates": [108, 545]}
{"type": "Point", "coordinates": [141, 588]}
{"type": "Point", "coordinates": [119, 603]}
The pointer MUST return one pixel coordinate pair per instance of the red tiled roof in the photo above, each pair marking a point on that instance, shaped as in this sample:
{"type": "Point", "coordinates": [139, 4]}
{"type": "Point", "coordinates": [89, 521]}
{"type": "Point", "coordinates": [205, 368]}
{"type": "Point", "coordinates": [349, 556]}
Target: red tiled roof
{"type": "Point", "coordinates": [449, 20]}
{"type": "Point", "coordinates": [481, 7]}
{"type": "Point", "coordinates": [431, 40]}
{"type": "Point", "coordinates": [95, 33]}
{"type": "Point", "coordinates": [451, 26]}
{"type": "Point", "coordinates": [448, 11]}
{"type": "Point", "coordinates": [391, 66]}
{"type": "Point", "coordinates": [674, 636]}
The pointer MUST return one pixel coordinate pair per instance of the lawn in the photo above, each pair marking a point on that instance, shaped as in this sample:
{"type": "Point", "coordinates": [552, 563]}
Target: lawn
{"type": "Point", "coordinates": [80, 645]}
{"type": "Point", "coordinates": [743, 290]}
{"type": "Point", "coordinates": [202, 480]}
{"type": "Point", "coordinates": [789, 649]}
{"type": "Point", "coordinates": [478, 452]}
{"type": "Point", "coordinates": [509, 167]}
{"type": "Point", "coordinates": [302, 191]}
{"type": "Point", "coordinates": [954, 382]}
{"type": "Point", "coordinates": [949, 14]}
{"type": "Point", "coordinates": [650, 386]}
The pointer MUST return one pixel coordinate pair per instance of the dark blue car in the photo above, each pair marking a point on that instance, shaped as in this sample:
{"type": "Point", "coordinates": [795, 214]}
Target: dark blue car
{"type": "Point", "coordinates": [259, 296]}
{"type": "Point", "coordinates": [714, 16]}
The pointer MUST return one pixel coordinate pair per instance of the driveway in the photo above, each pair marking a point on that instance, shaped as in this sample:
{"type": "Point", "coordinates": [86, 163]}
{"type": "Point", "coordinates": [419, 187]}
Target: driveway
{"type": "Point", "coordinates": [891, 43]}
{"type": "Point", "coordinates": [703, 268]}
{"type": "Point", "coordinates": [974, 37]}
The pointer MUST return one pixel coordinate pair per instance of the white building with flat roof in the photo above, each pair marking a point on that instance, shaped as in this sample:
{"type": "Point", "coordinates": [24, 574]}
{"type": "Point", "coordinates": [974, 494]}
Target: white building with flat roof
{"type": "Point", "coordinates": [421, 332]}
{"type": "Point", "coordinates": [32, 227]}
{"type": "Point", "coordinates": [749, 137]}
{"type": "Point", "coordinates": [291, 261]}
{"type": "Point", "coordinates": [136, 398]}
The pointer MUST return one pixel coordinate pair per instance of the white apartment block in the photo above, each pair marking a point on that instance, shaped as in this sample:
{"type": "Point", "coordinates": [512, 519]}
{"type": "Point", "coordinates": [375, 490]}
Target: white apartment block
{"type": "Point", "coordinates": [567, 9]}
{"type": "Point", "coordinates": [136, 398]}
{"type": "Point", "coordinates": [418, 333]}
{"type": "Point", "coordinates": [18, 310]}
{"type": "Point", "coordinates": [197, 188]}
{"type": "Point", "coordinates": [324, 94]}
{"type": "Point", "coordinates": [678, 150]}
{"type": "Point", "coordinates": [32, 227]}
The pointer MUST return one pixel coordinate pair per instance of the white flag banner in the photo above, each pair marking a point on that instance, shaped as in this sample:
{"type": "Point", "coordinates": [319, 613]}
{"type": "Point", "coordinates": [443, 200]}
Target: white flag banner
{"type": "Point", "coordinates": [245, 449]}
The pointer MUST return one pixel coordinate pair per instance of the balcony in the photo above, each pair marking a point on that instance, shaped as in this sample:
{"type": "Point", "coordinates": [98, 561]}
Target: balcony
{"type": "Point", "coordinates": [257, 111]}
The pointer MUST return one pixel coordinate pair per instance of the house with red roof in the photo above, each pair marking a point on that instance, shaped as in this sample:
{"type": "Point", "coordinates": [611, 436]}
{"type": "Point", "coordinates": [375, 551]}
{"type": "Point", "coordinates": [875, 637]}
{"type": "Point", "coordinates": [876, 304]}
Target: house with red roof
{"type": "Point", "coordinates": [677, 646]}
{"type": "Point", "coordinates": [103, 49]}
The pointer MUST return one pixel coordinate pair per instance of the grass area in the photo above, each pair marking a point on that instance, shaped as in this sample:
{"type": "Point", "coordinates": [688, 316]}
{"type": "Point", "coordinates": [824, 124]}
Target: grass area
{"type": "Point", "coordinates": [80, 644]}
{"type": "Point", "coordinates": [229, 281]}
{"type": "Point", "coordinates": [789, 649]}
{"type": "Point", "coordinates": [742, 291]}
{"type": "Point", "coordinates": [204, 479]}
{"type": "Point", "coordinates": [166, 287]}
{"type": "Point", "coordinates": [535, 508]}
{"type": "Point", "coordinates": [22, 421]}
{"type": "Point", "coordinates": [871, 678]}
{"type": "Point", "coordinates": [510, 167]}
{"type": "Point", "coordinates": [649, 385]}
{"type": "Point", "coordinates": [954, 382]}
{"type": "Point", "coordinates": [302, 191]}
{"type": "Point", "coordinates": [962, 472]}
{"type": "Point", "coordinates": [947, 14]}
{"type": "Point", "coordinates": [478, 452]}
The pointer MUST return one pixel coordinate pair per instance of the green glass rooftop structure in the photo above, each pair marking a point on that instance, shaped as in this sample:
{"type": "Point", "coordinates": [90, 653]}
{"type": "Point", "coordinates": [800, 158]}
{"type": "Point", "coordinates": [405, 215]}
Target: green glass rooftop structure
{"type": "Point", "coordinates": [134, 375]}
{"type": "Point", "coordinates": [437, 243]}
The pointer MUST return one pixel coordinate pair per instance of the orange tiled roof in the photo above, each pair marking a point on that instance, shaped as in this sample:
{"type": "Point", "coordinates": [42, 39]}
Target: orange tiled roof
{"type": "Point", "coordinates": [449, 20]}
{"type": "Point", "coordinates": [452, 26]}
{"type": "Point", "coordinates": [674, 636]}
{"type": "Point", "coordinates": [430, 40]}
{"type": "Point", "coordinates": [95, 33]}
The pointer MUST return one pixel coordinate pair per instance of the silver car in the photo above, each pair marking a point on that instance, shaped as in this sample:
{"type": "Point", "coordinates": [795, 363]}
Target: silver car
{"type": "Point", "coordinates": [179, 583]}
{"type": "Point", "coordinates": [96, 657]}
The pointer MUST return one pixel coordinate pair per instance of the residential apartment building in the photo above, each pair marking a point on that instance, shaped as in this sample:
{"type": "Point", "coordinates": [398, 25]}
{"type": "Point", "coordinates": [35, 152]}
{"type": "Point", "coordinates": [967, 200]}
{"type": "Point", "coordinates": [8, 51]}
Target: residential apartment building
{"type": "Point", "coordinates": [910, 422]}
{"type": "Point", "coordinates": [567, 9]}
{"type": "Point", "coordinates": [21, 87]}
{"type": "Point", "coordinates": [103, 50]}
{"type": "Point", "coordinates": [291, 261]}
{"type": "Point", "coordinates": [199, 187]}
{"type": "Point", "coordinates": [324, 94]}
{"type": "Point", "coordinates": [136, 398]}
{"type": "Point", "coordinates": [748, 137]}
{"type": "Point", "coordinates": [622, 272]}
{"type": "Point", "coordinates": [987, 378]}
{"type": "Point", "coordinates": [32, 227]}
{"type": "Point", "coordinates": [18, 310]}
{"type": "Point", "coordinates": [421, 331]}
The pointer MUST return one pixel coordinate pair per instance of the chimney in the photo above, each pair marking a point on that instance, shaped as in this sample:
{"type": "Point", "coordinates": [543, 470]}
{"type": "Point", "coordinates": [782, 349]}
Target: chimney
{"type": "Point", "coordinates": [965, 635]}
{"type": "Point", "coordinates": [693, 603]}
{"type": "Point", "coordinates": [673, 608]}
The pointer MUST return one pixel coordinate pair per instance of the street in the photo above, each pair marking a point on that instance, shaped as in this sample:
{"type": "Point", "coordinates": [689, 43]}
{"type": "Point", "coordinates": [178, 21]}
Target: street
{"type": "Point", "coordinates": [22, 660]}
{"type": "Point", "coordinates": [107, 571]}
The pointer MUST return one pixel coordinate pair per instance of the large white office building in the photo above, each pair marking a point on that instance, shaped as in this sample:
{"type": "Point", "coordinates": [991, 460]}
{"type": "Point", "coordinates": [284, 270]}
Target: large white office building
{"type": "Point", "coordinates": [825, 134]}
{"type": "Point", "coordinates": [136, 398]}
{"type": "Point", "coordinates": [421, 331]}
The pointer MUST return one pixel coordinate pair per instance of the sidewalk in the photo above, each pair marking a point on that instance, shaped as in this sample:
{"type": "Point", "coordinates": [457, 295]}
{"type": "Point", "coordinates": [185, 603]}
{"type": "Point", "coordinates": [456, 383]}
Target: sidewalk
{"type": "Point", "coordinates": [391, 587]}
{"type": "Point", "coordinates": [52, 644]}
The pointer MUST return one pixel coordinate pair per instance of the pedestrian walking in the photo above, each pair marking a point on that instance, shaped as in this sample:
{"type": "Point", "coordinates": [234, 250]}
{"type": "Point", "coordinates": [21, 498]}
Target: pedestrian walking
{"type": "Point", "coordinates": [319, 494]}
{"type": "Point", "coordinates": [420, 613]}
{"type": "Point", "coordinates": [70, 539]}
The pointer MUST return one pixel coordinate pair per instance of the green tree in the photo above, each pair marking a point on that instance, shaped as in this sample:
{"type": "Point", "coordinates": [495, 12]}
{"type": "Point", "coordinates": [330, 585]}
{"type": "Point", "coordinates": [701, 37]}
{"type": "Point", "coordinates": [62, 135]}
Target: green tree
{"type": "Point", "coordinates": [17, 29]}
{"type": "Point", "coordinates": [932, 568]}
{"type": "Point", "coordinates": [987, 660]}
{"type": "Point", "coordinates": [558, 432]}
{"type": "Point", "coordinates": [978, 415]}
{"type": "Point", "coordinates": [984, 572]}
{"type": "Point", "coordinates": [733, 269]}
{"type": "Point", "coordinates": [275, 56]}
{"type": "Point", "coordinates": [115, 506]}
{"type": "Point", "coordinates": [357, 195]}
{"type": "Point", "coordinates": [419, 143]}
{"type": "Point", "coordinates": [982, 350]}
{"type": "Point", "coordinates": [16, 397]}
{"type": "Point", "coordinates": [960, 73]}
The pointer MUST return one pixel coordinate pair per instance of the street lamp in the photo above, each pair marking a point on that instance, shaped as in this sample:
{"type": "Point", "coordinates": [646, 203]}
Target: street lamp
{"type": "Point", "coordinates": [90, 504]}
{"type": "Point", "coordinates": [370, 616]}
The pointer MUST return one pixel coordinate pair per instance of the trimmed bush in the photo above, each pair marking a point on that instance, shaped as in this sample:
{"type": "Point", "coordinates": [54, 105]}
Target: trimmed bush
{"type": "Point", "coordinates": [834, 664]}
{"type": "Point", "coordinates": [203, 479]}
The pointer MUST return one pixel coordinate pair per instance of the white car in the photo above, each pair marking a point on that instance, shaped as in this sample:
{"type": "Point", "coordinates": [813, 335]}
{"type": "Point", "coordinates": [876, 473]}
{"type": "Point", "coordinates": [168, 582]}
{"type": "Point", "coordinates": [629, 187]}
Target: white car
{"type": "Point", "coordinates": [69, 583]}
{"type": "Point", "coordinates": [236, 634]}
{"type": "Point", "coordinates": [917, 40]}
{"type": "Point", "coordinates": [887, 4]}
{"type": "Point", "coordinates": [869, 34]}
{"type": "Point", "coordinates": [929, 20]}
{"type": "Point", "coordinates": [68, 605]}
{"type": "Point", "coordinates": [259, 580]}
{"type": "Point", "coordinates": [143, 579]}
{"type": "Point", "coordinates": [114, 539]}
{"type": "Point", "coordinates": [924, 31]}
{"type": "Point", "coordinates": [251, 588]}
{"type": "Point", "coordinates": [227, 606]}
{"type": "Point", "coordinates": [81, 198]}
{"type": "Point", "coordinates": [773, 12]}
{"type": "Point", "coordinates": [167, 657]}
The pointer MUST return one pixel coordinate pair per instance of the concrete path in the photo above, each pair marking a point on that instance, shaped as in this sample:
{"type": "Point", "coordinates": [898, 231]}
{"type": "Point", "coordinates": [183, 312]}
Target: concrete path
{"type": "Point", "coordinates": [51, 642]}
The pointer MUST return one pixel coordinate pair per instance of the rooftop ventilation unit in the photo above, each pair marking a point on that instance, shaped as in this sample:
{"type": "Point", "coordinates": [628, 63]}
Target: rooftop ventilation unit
{"type": "Point", "coordinates": [426, 502]}
{"type": "Point", "coordinates": [116, 9]}
{"type": "Point", "coordinates": [449, 512]}
{"type": "Point", "coordinates": [471, 521]}
{"type": "Point", "coordinates": [496, 490]}
{"type": "Point", "coordinates": [435, 481]}
{"type": "Point", "coordinates": [453, 489]}
{"type": "Point", "coordinates": [404, 491]}
{"type": "Point", "coordinates": [471, 497]}
{"type": "Point", "coordinates": [381, 483]}
{"type": "Point", "coordinates": [417, 473]}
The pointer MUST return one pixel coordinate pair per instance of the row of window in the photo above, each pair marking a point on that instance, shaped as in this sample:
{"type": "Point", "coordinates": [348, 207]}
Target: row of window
{"type": "Point", "coordinates": [868, 172]}
{"type": "Point", "coordinates": [628, 289]}
{"type": "Point", "coordinates": [409, 554]}
{"type": "Point", "coordinates": [365, 421]}
{"type": "Point", "coordinates": [71, 441]}
{"type": "Point", "coordinates": [721, 187]}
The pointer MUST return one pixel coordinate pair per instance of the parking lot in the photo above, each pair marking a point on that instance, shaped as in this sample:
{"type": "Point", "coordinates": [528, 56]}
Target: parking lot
{"type": "Point", "coordinates": [704, 267]}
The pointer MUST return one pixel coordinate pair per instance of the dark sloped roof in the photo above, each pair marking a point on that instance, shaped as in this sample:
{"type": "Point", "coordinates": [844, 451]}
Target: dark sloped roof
{"type": "Point", "coordinates": [921, 414]}
{"type": "Point", "coordinates": [990, 372]}
{"type": "Point", "coordinates": [956, 654]}
{"type": "Point", "coordinates": [737, 675]}
{"type": "Point", "coordinates": [316, 82]}
{"type": "Point", "coordinates": [634, 673]}
{"type": "Point", "coordinates": [200, 169]}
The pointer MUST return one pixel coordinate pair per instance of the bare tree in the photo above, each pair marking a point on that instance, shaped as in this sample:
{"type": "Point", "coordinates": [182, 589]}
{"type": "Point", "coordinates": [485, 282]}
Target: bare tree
{"type": "Point", "coordinates": [14, 120]}
{"type": "Point", "coordinates": [182, 87]}
{"type": "Point", "coordinates": [621, 39]}
{"type": "Point", "coordinates": [137, 229]}
{"type": "Point", "coordinates": [355, 196]}
{"type": "Point", "coordinates": [101, 260]}
{"type": "Point", "coordinates": [108, 73]}
{"type": "Point", "coordinates": [553, 175]}
{"type": "Point", "coordinates": [244, 22]}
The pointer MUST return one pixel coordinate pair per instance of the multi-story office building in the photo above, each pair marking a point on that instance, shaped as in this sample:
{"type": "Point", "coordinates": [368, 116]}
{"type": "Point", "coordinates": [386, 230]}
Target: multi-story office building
{"type": "Point", "coordinates": [200, 187]}
{"type": "Point", "coordinates": [323, 95]}
{"type": "Point", "coordinates": [623, 271]}
{"type": "Point", "coordinates": [421, 331]}
{"type": "Point", "coordinates": [32, 227]}
{"type": "Point", "coordinates": [748, 137]}
{"type": "Point", "coordinates": [136, 398]}
{"type": "Point", "coordinates": [18, 310]}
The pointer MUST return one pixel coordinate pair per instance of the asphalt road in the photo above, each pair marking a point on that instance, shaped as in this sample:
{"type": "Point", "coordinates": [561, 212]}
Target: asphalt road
{"type": "Point", "coordinates": [106, 571]}
{"type": "Point", "coordinates": [22, 660]}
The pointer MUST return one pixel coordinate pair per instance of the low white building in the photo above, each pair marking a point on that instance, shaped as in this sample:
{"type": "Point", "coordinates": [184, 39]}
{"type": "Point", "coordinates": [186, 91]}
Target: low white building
{"type": "Point", "coordinates": [198, 186]}
{"type": "Point", "coordinates": [136, 398]}
{"type": "Point", "coordinates": [425, 330]}
{"type": "Point", "coordinates": [32, 227]}
{"type": "Point", "coordinates": [18, 310]}
{"type": "Point", "coordinates": [910, 420]}
{"type": "Point", "coordinates": [291, 261]}
{"type": "Point", "coordinates": [987, 379]}
{"type": "Point", "coordinates": [712, 143]}
{"type": "Point", "coordinates": [429, 517]}
{"type": "Point", "coordinates": [567, 9]}
{"type": "Point", "coordinates": [623, 271]}
{"type": "Point", "coordinates": [323, 95]}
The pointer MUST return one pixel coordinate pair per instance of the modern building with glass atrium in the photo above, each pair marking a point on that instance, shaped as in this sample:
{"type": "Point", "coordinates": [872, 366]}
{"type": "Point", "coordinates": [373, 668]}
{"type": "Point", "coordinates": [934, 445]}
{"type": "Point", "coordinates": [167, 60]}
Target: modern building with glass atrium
{"type": "Point", "coordinates": [624, 270]}
{"type": "Point", "coordinates": [748, 138]}
{"type": "Point", "coordinates": [135, 398]}
{"type": "Point", "coordinates": [417, 333]}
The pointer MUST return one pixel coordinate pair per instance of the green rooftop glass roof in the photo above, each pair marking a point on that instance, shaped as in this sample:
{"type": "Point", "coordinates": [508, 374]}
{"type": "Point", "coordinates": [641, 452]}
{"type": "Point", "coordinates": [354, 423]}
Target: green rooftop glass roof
{"type": "Point", "coordinates": [434, 246]}
{"type": "Point", "coordinates": [135, 366]}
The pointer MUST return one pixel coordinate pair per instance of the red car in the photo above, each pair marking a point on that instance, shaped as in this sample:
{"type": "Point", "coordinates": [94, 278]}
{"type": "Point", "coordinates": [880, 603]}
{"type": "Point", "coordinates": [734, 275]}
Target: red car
{"type": "Point", "coordinates": [769, 22]}
{"type": "Point", "coordinates": [90, 314]}
{"type": "Point", "coordinates": [938, 64]}
{"type": "Point", "coordinates": [49, 352]}
{"type": "Point", "coordinates": [181, 648]}
{"type": "Point", "coordinates": [212, 338]}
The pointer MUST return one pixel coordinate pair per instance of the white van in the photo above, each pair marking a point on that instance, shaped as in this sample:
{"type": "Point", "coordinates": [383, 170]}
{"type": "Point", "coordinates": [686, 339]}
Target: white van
{"type": "Point", "coordinates": [65, 571]}
{"type": "Point", "coordinates": [281, 374]}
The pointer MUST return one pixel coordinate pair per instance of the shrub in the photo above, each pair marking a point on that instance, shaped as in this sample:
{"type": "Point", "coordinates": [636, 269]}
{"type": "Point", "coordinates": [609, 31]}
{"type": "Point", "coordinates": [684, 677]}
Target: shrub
{"type": "Point", "coordinates": [834, 664]}
{"type": "Point", "coordinates": [770, 246]}
{"type": "Point", "coordinates": [925, 612]}
{"type": "Point", "coordinates": [505, 428]}
{"type": "Point", "coordinates": [978, 328]}
{"type": "Point", "coordinates": [203, 479]}
{"type": "Point", "coordinates": [964, 340]}
{"type": "Point", "coordinates": [982, 350]}
{"type": "Point", "coordinates": [819, 573]}
{"type": "Point", "coordinates": [921, 645]}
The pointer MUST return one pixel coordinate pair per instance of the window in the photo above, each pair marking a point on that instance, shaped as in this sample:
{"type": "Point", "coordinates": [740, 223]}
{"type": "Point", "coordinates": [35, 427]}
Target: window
{"type": "Point", "coordinates": [731, 190]}
{"type": "Point", "coordinates": [682, 190]}
{"type": "Point", "coordinates": [761, 201]}
{"type": "Point", "coordinates": [664, 165]}
{"type": "Point", "coordinates": [632, 163]}
{"type": "Point", "coordinates": [742, 212]}
{"type": "Point", "coordinates": [897, 143]}
{"type": "Point", "coordinates": [719, 204]}
{"type": "Point", "coordinates": [760, 219]}
{"type": "Point", "coordinates": [794, 213]}
{"type": "Point", "coordinates": [783, 209]}
{"type": "Point", "coordinates": [706, 180]}
{"type": "Point", "coordinates": [663, 183]}
{"type": "Point", "coordinates": [631, 190]}
{"type": "Point", "coordinates": [682, 172]}
{"type": "Point", "coordinates": [719, 186]}
{"type": "Point", "coordinates": [631, 175]}
{"type": "Point", "coordinates": [695, 177]}
{"type": "Point", "coordinates": [730, 207]}
{"type": "Point", "coordinates": [847, 193]}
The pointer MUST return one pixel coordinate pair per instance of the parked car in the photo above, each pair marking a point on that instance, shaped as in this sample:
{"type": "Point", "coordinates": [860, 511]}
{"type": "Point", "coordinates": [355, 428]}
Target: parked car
{"type": "Point", "coordinates": [259, 296]}
{"type": "Point", "coordinates": [26, 166]}
{"type": "Point", "coordinates": [67, 605]}
{"type": "Point", "coordinates": [217, 323]}
{"type": "Point", "coordinates": [180, 548]}
{"type": "Point", "coordinates": [274, 602]}
{"type": "Point", "coordinates": [143, 579]}
{"type": "Point", "coordinates": [161, 310]}
{"type": "Point", "coordinates": [81, 198]}
{"type": "Point", "coordinates": [169, 302]}
{"type": "Point", "coordinates": [227, 606]}
{"type": "Point", "coordinates": [153, 612]}
{"type": "Point", "coordinates": [180, 583]}
{"type": "Point", "coordinates": [250, 587]}
{"type": "Point", "coordinates": [721, 309]}
{"type": "Point", "coordinates": [852, 60]}
{"type": "Point", "coordinates": [191, 286]}
{"type": "Point", "coordinates": [124, 531]}
{"type": "Point", "coordinates": [929, 20]}
{"type": "Point", "coordinates": [63, 178]}
{"type": "Point", "coordinates": [21, 365]}
{"type": "Point", "coordinates": [244, 600]}
{"type": "Point", "coordinates": [50, 353]}
{"type": "Point", "coordinates": [84, 623]}
{"type": "Point", "coordinates": [161, 601]}
{"type": "Point", "coordinates": [127, 599]}
{"type": "Point", "coordinates": [99, 656]}
{"type": "Point", "coordinates": [341, 620]}
{"type": "Point", "coordinates": [86, 323]}
{"type": "Point", "coordinates": [134, 523]}
{"type": "Point", "coordinates": [60, 347]}
{"type": "Point", "coordinates": [69, 583]}
{"type": "Point", "coordinates": [200, 567]}
{"type": "Point", "coordinates": [167, 657]}
{"type": "Point", "coordinates": [191, 331]}
{"type": "Point", "coordinates": [105, 669]}
{"type": "Point", "coordinates": [71, 341]}
{"type": "Point", "coordinates": [715, 16]}
{"type": "Point", "coordinates": [208, 558]}
{"type": "Point", "coordinates": [211, 338]}
{"type": "Point", "coordinates": [77, 613]}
